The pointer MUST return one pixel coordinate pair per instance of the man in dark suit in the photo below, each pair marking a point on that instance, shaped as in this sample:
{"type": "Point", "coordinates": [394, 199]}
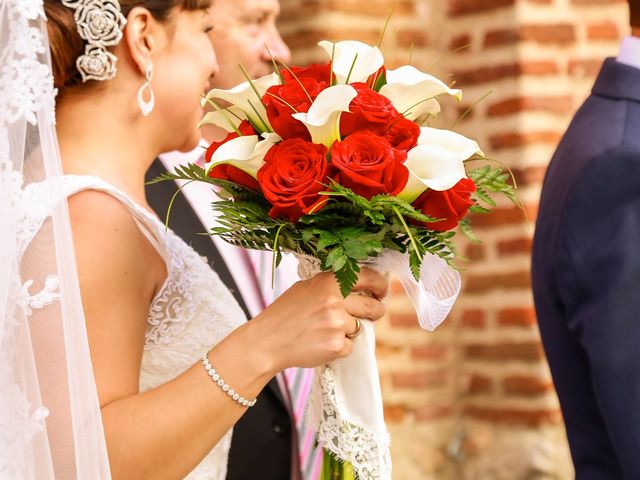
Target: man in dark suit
{"type": "Point", "coordinates": [586, 271]}
{"type": "Point", "coordinates": [264, 442]}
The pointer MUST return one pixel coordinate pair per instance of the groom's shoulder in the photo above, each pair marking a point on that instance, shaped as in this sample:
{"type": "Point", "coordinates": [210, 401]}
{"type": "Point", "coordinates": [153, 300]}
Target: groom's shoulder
{"type": "Point", "coordinates": [600, 127]}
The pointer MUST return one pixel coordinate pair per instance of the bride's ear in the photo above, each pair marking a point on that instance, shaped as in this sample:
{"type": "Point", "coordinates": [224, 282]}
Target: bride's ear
{"type": "Point", "coordinates": [144, 36]}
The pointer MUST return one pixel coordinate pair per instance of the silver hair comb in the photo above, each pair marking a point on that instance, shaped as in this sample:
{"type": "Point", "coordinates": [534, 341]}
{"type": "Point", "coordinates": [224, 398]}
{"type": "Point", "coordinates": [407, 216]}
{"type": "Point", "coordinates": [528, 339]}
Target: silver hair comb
{"type": "Point", "coordinates": [100, 24]}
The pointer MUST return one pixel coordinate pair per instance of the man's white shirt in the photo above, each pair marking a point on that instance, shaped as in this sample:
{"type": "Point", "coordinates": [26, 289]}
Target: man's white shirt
{"type": "Point", "coordinates": [630, 51]}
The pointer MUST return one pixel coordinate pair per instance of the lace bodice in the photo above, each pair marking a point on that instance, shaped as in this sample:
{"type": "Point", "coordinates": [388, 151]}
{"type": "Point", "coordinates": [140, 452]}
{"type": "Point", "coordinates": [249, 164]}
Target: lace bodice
{"type": "Point", "coordinates": [192, 311]}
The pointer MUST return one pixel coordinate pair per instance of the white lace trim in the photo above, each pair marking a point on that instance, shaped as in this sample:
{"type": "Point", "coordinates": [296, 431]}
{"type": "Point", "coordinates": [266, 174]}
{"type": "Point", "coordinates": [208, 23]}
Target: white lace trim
{"type": "Point", "coordinates": [366, 450]}
{"type": "Point", "coordinates": [368, 453]}
{"type": "Point", "coordinates": [26, 83]}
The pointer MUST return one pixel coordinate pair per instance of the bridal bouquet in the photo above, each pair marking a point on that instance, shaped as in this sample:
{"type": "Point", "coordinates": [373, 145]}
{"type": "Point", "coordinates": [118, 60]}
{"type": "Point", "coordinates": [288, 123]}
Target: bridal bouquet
{"type": "Point", "coordinates": [336, 162]}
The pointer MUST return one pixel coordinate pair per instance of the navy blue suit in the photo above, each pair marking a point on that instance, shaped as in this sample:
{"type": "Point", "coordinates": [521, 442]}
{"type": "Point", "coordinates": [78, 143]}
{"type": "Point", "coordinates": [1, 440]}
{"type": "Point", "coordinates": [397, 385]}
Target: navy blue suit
{"type": "Point", "coordinates": [586, 277]}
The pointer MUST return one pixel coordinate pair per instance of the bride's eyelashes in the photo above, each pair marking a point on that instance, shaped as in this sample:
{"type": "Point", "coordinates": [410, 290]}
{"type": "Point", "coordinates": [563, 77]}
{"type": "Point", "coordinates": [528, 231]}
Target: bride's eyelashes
{"type": "Point", "coordinates": [208, 29]}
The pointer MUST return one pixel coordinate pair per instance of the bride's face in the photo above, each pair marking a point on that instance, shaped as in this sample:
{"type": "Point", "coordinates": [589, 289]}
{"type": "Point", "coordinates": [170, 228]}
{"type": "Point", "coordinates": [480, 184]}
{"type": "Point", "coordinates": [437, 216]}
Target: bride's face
{"type": "Point", "coordinates": [182, 74]}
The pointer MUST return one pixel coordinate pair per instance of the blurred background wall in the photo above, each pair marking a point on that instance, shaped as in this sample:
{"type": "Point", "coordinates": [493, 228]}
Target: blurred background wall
{"type": "Point", "coordinates": [474, 400]}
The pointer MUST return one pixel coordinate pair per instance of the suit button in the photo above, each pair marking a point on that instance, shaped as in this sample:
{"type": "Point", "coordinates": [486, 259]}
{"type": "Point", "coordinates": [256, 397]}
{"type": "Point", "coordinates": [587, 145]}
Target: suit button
{"type": "Point", "coordinates": [281, 427]}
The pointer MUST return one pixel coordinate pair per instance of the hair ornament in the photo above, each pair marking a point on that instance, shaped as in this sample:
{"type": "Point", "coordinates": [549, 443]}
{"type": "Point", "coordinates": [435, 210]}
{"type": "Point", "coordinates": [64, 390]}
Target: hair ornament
{"type": "Point", "coordinates": [100, 24]}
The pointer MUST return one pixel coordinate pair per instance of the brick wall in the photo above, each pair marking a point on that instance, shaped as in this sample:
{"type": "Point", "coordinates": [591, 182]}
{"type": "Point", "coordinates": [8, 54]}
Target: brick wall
{"type": "Point", "coordinates": [475, 400]}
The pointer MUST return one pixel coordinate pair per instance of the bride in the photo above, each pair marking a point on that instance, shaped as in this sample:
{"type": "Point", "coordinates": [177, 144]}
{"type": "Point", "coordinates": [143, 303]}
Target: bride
{"type": "Point", "coordinates": [175, 364]}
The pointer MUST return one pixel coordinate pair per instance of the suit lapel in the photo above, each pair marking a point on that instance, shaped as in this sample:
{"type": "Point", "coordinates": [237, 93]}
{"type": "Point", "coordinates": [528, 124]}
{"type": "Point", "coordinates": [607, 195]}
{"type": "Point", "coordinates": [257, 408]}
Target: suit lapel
{"type": "Point", "coordinates": [185, 223]}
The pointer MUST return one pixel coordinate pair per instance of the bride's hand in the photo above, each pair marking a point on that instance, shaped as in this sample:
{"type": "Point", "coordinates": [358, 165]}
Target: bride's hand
{"type": "Point", "coordinates": [308, 324]}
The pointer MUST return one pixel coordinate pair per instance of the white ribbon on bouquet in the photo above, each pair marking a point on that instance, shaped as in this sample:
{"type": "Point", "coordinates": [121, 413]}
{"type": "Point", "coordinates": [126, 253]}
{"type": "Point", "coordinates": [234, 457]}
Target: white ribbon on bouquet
{"type": "Point", "coordinates": [345, 406]}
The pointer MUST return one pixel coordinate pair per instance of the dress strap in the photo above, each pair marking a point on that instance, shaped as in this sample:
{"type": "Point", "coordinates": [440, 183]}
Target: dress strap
{"type": "Point", "coordinates": [148, 223]}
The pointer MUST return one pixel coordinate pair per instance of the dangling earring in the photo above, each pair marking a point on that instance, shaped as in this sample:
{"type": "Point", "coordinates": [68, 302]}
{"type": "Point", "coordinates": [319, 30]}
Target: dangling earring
{"type": "Point", "coordinates": [146, 106]}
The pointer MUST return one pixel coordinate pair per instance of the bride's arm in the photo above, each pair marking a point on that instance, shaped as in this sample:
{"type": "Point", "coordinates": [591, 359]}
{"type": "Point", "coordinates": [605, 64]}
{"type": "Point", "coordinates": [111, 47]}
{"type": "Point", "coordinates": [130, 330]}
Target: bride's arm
{"type": "Point", "coordinates": [165, 432]}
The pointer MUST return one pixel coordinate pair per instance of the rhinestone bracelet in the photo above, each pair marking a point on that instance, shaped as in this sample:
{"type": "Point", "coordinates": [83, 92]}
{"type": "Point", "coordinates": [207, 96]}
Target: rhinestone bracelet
{"type": "Point", "coordinates": [215, 376]}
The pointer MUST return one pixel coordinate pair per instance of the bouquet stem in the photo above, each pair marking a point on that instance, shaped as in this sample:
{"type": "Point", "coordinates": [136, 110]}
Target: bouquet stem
{"type": "Point", "coordinates": [335, 469]}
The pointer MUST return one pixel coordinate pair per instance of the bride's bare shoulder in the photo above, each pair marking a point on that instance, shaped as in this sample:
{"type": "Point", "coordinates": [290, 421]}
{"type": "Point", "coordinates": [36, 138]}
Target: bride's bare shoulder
{"type": "Point", "coordinates": [103, 225]}
{"type": "Point", "coordinates": [114, 256]}
{"type": "Point", "coordinates": [119, 272]}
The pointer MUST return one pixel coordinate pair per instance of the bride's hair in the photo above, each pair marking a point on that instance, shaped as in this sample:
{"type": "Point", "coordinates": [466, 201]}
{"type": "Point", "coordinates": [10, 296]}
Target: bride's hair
{"type": "Point", "coordinates": [67, 46]}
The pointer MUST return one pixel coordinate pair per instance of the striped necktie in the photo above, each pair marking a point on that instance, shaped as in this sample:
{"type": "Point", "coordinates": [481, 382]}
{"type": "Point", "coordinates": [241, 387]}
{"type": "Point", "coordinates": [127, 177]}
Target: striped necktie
{"type": "Point", "coordinates": [298, 380]}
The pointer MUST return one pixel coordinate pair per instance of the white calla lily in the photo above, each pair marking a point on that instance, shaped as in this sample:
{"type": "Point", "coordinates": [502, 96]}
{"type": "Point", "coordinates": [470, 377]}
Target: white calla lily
{"type": "Point", "coordinates": [413, 92]}
{"type": "Point", "coordinates": [437, 162]}
{"type": "Point", "coordinates": [228, 118]}
{"type": "Point", "coordinates": [245, 98]}
{"type": "Point", "coordinates": [367, 60]}
{"type": "Point", "coordinates": [246, 152]}
{"type": "Point", "coordinates": [323, 118]}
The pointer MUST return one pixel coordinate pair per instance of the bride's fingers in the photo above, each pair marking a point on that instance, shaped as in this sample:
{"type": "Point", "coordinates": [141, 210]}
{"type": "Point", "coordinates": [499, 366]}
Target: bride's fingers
{"type": "Point", "coordinates": [362, 306]}
{"type": "Point", "coordinates": [346, 349]}
{"type": "Point", "coordinates": [371, 281]}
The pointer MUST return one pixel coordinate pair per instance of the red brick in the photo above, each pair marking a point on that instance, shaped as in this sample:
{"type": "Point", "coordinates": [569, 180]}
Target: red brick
{"type": "Point", "coordinates": [418, 380]}
{"type": "Point", "coordinates": [517, 317]}
{"type": "Point", "coordinates": [504, 216]}
{"type": "Point", "coordinates": [529, 175]}
{"type": "Point", "coordinates": [466, 7]}
{"type": "Point", "coordinates": [461, 109]}
{"type": "Point", "coordinates": [546, 33]}
{"type": "Point", "coordinates": [514, 246]}
{"type": "Point", "coordinates": [305, 38]}
{"type": "Point", "coordinates": [482, 283]}
{"type": "Point", "coordinates": [376, 8]}
{"type": "Point", "coordinates": [499, 38]}
{"type": "Point", "coordinates": [505, 351]}
{"type": "Point", "coordinates": [460, 41]}
{"type": "Point", "coordinates": [475, 252]}
{"type": "Point", "coordinates": [526, 385]}
{"type": "Point", "coordinates": [432, 351]}
{"type": "Point", "coordinates": [394, 413]}
{"type": "Point", "coordinates": [603, 31]}
{"type": "Point", "coordinates": [404, 320]}
{"type": "Point", "coordinates": [433, 412]}
{"type": "Point", "coordinates": [558, 104]}
{"type": "Point", "coordinates": [412, 37]}
{"type": "Point", "coordinates": [475, 319]}
{"type": "Point", "coordinates": [384, 350]}
{"type": "Point", "coordinates": [543, 34]}
{"type": "Point", "coordinates": [520, 139]}
{"type": "Point", "coordinates": [596, 2]}
{"type": "Point", "coordinates": [479, 384]}
{"type": "Point", "coordinates": [540, 67]}
{"type": "Point", "coordinates": [486, 74]}
{"type": "Point", "coordinates": [494, 73]}
{"type": "Point", "coordinates": [515, 416]}
{"type": "Point", "coordinates": [585, 68]}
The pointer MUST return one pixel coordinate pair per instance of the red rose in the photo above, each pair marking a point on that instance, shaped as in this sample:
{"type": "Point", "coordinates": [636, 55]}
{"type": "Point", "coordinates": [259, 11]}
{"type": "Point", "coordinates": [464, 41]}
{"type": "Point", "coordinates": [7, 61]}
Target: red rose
{"type": "Point", "coordinates": [293, 174]}
{"type": "Point", "coordinates": [281, 100]}
{"type": "Point", "coordinates": [451, 205]}
{"type": "Point", "coordinates": [233, 174]}
{"type": "Point", "coordinates": [403, 134]}
{"type": "Point", "coordinates": [244, 127]}
{"type": "Point", "coordinates": [368, 111]}
{"type": "Point", "coordinates": [321, 73]}
{"type": "Point", "coordinates": [368, 164]}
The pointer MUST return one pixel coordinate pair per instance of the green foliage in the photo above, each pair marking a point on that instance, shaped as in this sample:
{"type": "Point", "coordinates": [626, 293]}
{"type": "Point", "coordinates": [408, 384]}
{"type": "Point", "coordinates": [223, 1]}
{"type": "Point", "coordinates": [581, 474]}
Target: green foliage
{"type": "Point", "coordinates": [348, 230]}
{"type": "Point", "coordinates": [490, 179]}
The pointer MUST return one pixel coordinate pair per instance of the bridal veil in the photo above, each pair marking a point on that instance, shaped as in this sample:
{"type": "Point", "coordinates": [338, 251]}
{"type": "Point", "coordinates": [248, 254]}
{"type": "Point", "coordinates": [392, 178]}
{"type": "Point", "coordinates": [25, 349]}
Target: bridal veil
{"type": "Point", "coordinates": [50, 423]}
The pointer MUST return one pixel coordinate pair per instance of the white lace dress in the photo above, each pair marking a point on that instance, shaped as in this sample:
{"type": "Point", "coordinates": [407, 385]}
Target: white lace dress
{"type": "Point", "coordinates": [192, 311]}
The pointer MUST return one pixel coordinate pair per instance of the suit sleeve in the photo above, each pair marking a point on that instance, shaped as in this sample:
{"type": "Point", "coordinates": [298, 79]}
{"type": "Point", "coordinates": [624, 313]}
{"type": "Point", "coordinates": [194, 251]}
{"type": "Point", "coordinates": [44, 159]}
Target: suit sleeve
{"type": "Point", "coordinates": [598, 274]}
